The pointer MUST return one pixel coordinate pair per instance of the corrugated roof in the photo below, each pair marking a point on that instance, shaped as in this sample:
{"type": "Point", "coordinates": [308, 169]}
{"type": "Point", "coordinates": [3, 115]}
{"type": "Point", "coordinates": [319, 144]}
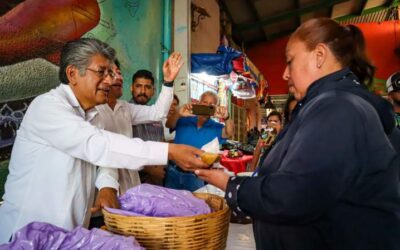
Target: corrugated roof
{"type": "Point", "coordinates": [255, 21]}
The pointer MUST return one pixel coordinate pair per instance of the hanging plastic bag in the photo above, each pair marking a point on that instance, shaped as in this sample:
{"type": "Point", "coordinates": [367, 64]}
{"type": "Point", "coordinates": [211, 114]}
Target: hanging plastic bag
{"type": "Point", "coordinates": [243, 88]}
{"type": "Point", "coordinates": [215, 64]}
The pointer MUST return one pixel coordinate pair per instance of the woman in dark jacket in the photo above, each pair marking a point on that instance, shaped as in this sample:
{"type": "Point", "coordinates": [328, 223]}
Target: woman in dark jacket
{"type": "Point", "coordinates": [332, 179]}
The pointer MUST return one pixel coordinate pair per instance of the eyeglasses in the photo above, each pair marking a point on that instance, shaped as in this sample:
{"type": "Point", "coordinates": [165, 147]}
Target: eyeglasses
{"type": "Point", "coordinates": [103, 73]}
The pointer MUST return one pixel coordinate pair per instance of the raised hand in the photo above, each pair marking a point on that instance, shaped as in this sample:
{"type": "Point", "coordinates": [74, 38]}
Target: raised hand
{"type": "Point", "coordinates": [172, 66]}
{"type": "Point", "coordinates": [221, 112]}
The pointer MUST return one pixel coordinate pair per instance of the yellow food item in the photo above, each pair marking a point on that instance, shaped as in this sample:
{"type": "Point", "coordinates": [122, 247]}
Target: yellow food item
{"type": "Point", "coordinates": [209, 158]}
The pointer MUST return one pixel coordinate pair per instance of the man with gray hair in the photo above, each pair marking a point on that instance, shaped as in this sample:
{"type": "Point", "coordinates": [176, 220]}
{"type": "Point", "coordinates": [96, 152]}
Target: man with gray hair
{"type": "Point", "coordinates": [52, 167]}
{"type": "Point", "coordinates": [196, 131]}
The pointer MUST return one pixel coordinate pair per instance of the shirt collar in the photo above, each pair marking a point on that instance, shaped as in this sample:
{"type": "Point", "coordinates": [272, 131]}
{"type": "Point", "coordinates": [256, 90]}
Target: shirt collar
{"type": "Point", "coordinates": [194, 120]}
{"type": "Point", "coordinates": [73, 101]}
{"type": "Point", "coordinates": [70, 96]}
{"type": "Point", "coordinates": [91, 113]}
{"type": "Point", "coordinates": [118, 105]}
{"type": "Point", "coordinates": [328, 82]}
{"type": "Point", "coordinates": [323, 84]}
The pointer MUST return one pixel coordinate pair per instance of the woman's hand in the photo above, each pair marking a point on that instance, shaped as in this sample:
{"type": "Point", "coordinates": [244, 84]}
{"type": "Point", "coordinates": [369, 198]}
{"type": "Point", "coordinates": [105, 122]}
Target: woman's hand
{"type": "Point", "coordinates": [216, 177]}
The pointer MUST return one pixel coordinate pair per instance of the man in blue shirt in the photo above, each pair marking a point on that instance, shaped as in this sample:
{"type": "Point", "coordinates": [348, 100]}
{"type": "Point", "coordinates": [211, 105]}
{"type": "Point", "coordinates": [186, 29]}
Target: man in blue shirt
{"type": "Point", "coordinates": [196, 131]}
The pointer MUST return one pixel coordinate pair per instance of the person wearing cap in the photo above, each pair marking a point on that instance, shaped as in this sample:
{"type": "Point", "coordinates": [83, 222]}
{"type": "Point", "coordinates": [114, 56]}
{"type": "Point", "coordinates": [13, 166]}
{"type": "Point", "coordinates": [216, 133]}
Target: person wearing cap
{"type": "Point", "coordinates": [393, 90]}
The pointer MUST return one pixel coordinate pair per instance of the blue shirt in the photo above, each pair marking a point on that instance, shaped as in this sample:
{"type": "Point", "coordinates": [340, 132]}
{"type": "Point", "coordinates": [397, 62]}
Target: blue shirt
{"type": "Point", "coordinates": [188, 133]}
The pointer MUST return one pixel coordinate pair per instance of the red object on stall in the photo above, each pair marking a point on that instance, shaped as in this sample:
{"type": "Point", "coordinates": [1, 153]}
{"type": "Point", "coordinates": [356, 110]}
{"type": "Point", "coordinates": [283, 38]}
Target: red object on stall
{"type": "Point", "coordinates": [236, 165]}
{"type": "Point", "coordinates": [239, 64]}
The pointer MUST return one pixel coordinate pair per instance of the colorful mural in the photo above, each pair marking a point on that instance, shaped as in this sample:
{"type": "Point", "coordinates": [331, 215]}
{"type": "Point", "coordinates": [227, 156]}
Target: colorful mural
{"type": "Point", "coordinates": [33, 32]}
{"type": "Point", "coordinates": [38, 29]}
{"type": "Point", "coordinates": [134, 29]}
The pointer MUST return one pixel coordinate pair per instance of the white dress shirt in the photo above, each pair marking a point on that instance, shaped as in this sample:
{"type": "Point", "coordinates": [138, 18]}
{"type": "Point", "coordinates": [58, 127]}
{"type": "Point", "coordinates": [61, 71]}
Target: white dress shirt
{"type": "Point", "coordinates": [120, 120]}
{"type": "Point", "coordinates": [52, 171]}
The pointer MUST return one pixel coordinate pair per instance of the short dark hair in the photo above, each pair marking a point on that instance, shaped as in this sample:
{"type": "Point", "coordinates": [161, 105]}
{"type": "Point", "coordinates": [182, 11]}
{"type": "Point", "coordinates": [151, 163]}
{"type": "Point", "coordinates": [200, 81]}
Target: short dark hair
{"type": "Point", "coordinates": [275, 113]}
{"type": "Point", "coordinates": [117, 63]}
{"type": "Point", "coordinates": [79, 53]}
{"type": "Point", "coordinates": [142, 73]}
{"type": "Point", "coordinates": [176, 98]}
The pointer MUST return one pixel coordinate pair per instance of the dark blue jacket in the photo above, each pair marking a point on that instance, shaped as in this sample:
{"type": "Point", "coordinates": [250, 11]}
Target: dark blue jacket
{"type": "Point", "coordinates": [332, 179]}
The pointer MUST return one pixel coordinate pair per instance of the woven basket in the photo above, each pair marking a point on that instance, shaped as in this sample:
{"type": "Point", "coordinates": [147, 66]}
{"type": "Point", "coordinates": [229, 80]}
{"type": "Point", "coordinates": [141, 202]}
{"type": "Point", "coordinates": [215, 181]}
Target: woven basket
{"type": "Point", "coordinates": [206, 231]}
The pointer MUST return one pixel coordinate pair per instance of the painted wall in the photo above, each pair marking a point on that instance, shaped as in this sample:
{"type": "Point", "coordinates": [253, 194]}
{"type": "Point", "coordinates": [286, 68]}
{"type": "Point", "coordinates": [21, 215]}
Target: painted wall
{"type": "Point", "coordinates": [33, 32]}
{"type": "Point", "coordinates": [380, 40]}
{"type": "Point", "coordinates": [205, 37]}
{"type": "Point", "coordinates": [134, 29]}
{"type": "Point", "coordinates": [181, 43]}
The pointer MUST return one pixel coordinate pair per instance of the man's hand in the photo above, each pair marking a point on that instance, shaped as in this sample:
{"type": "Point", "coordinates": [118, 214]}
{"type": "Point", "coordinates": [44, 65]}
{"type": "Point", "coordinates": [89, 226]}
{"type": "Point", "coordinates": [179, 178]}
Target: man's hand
{"type": "Point", "coordinates": [172, 66]}
{"type": "Point", "coordinates": [186, 110]}
{"type": "Point", "coordinates": [221, 112]}
{"type": "Point", "coordinates": [153, 175]}
{"type": "Point", "coordinates": [186, 157]}
{"type": "Point", "coordinates": [155, 171]}
{"type": "Point", "coordinates": [107, 197]}
{"type": "Point", "coordinates": [215, 177]}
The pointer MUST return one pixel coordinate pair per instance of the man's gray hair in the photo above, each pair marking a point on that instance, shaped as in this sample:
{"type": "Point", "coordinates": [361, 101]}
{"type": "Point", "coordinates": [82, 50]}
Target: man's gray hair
{"type": "Point", "coordinates": [212, 94]}
{"type": "Point", "coordinates": [79, 53]}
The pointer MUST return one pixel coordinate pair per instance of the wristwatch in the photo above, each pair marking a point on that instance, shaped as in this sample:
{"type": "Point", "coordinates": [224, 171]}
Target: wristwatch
{"type": "Point", "coordinates": [168, 84]}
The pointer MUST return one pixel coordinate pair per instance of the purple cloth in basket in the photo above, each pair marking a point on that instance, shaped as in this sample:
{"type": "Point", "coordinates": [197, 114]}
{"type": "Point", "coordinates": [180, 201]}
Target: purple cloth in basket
{"type": "Point", "coordinates": [151, 200]}
{"type": "Point", "coordinates": [39, 235]}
